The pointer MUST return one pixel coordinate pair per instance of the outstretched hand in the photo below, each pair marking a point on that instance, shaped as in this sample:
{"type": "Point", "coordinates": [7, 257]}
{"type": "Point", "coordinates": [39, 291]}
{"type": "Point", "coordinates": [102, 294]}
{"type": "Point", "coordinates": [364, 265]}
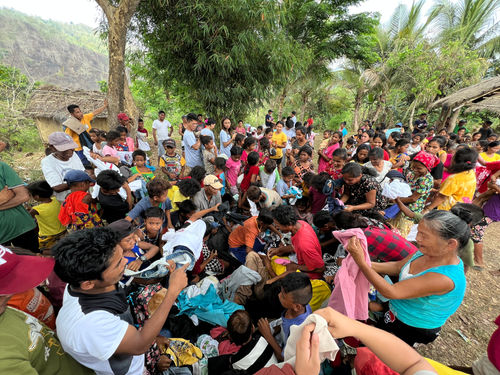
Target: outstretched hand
{"type": "Point", "coordinates": [178, 279]}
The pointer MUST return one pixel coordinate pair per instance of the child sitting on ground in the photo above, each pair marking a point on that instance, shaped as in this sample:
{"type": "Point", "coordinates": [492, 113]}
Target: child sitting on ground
{"type": "Point", "coordinates": [219, 172]}
{"type": "Point", "coordinates": [208, 153]}
{"type": "Point", "coordinates": [139, 254]}
{"type": "Point", "coordinates": [268, 174]}
{"type": "Point", "coordinates": [141, 172]}
{"type": "Point", "coordinates": [150, 231]}
{"type": "Point", "coordinates": [157, 197]}
{"type": "Point", "coordinates": [114, 196]}
{"type": "Point", "coordinates": [78, 210]}
{"type": "Point", "coordinates": [50, 229]}
{"type": "Point", "coordinates": [95, 136]}
{"type": "Point", "coordinates": [285, 184]}
{"type": "Point", "coordinates": [255, 351]}
{"type": "Point", "coordinates": [296, 293]}
{"type": "Point", "coordinates": [172, 163]}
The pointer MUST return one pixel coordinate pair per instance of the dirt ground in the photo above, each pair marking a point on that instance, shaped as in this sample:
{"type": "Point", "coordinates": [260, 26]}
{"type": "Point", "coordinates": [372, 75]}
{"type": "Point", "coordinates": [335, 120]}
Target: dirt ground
{"type": "Point", "coordinates": [474, 319]}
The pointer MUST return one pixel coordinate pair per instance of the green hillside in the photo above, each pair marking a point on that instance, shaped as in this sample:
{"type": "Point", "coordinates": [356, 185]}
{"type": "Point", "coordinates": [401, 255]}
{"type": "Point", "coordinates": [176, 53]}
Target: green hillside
{"type": "Point", "coordinates": [65, 55]}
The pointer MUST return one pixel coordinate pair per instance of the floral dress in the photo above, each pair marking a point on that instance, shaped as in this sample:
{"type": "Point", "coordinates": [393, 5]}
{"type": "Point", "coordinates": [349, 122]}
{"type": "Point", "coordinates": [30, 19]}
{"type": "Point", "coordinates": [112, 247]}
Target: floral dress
{"type": "Point", "coordinates": [357, 194]}
{"type": "Point", "coordinates": [423, 186]}
{"type": "Point", "coordinates": [301, 170]}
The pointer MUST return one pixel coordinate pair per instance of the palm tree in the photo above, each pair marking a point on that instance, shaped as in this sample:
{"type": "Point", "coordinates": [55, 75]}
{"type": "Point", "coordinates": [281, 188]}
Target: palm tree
{"type": "Point", "coordinates": [472, 22]}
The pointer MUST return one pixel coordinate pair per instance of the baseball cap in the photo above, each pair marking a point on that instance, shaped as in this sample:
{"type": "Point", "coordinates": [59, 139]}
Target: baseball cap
{"type": "Point", "coordinates": [122, 117]}
{"type": "Point", "coordinates": [399, 124]}
{"type": "Point", "coordinates": [19, 273]}
{"type": "Point", "coordinates": [62, 141]}
{"type": "Point", "coordinates": [270, 110]}
{"type": "Point", "coordinates": [212, 181]}
{"type": "Point", "coordinates": [75, 175]}
{"type": "Point", "coordinates": [169, 143]}
{"type": "Point", "coordinates": [123, 227]}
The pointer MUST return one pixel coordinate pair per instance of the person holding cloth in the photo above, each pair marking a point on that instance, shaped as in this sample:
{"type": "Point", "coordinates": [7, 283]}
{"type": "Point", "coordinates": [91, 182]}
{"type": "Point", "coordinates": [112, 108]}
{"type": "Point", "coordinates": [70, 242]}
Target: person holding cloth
{"type": "Point", "coordinates": [79, 132]}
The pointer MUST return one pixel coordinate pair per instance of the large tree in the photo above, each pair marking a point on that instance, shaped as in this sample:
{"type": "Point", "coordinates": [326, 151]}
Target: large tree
{"type": "Point", "coordinates": [118, 15]}
{"type": "Point", "coordinates": [227, 53]}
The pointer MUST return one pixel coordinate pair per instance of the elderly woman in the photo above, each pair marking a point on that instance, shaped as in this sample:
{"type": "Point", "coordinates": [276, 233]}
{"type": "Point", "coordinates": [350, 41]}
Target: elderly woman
{"type": "Point", "coordinates": [361, 191]}
{"type": "Point", "coordinates": [431, 283]}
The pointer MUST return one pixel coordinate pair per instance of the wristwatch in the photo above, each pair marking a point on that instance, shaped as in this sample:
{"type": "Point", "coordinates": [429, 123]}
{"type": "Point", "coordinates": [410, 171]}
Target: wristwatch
{"type": "Point", "coordinates": [143, 258]}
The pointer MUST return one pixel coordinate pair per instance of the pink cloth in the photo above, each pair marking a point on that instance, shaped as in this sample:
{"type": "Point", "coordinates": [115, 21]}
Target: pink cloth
{"type": "Point", "coordinates": [350, 295]}
{"type": "Point", "coordinates": [233, 169]}
{"type": "Point", "coordinates": [225, 346]}
{"type": "Point", "coordinates": [109, 151]}
{"type": "Point", "coordinates": [322, 163]}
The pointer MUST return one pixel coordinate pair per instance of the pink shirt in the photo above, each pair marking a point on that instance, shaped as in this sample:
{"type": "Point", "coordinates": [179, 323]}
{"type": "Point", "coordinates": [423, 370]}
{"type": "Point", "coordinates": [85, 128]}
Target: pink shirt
{"type": "Point", "coordinates": [306, 246]}
{"type": "Point", "coordinates": [233, 169]}
{"type": "Point", "coordinates": [109, 151]}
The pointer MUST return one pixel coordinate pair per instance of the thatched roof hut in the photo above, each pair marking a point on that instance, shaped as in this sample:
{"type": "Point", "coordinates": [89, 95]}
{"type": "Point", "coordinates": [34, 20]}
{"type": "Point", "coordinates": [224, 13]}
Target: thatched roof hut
{"type": "Point", "coordinates": [484, 95]}
{"type": "Point", "coordinates": [48, 107]}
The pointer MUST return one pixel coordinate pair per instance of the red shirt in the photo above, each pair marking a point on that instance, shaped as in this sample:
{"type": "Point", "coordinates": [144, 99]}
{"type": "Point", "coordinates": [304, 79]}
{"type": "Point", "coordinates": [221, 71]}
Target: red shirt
{"type": "Point", "coordinates": [386, 155]}
{"type": "Point", "coordinates": [308, 250]}
{"type": "Point", "coordinates": [245, 184]}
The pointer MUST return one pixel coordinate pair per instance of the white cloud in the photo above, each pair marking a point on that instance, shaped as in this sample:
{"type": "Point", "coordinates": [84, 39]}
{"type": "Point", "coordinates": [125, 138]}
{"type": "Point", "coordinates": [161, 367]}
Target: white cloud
{"type": "Point", "coordinates": [86, 12]}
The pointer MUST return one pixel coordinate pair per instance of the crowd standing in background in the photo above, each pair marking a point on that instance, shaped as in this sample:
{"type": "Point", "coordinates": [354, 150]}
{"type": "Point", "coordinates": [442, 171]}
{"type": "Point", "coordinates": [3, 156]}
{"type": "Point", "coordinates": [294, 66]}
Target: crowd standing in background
{"type": "Point", "coordinates": [254, 250]}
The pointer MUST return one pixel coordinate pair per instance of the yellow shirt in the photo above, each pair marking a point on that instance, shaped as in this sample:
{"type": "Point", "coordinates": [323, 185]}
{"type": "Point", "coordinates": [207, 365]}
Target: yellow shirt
{"type": "Point", "coordinates": [175, 197]}
{"type": "Point", "coordinates": [280, 139]}
{"type": "Point", "coordinates": [459, 187]}
{"type": "Point", "coordinates": [48, 222]}
{"type": "Point", "coordinates": [85, 121]}
{"type": "Point", "coordinates": [489, 159]}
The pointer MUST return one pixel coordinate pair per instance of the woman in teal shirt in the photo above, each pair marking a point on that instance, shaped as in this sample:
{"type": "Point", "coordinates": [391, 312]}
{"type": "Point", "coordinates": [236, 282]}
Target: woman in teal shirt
{"type": "Point", "coordinates": [431, 283]}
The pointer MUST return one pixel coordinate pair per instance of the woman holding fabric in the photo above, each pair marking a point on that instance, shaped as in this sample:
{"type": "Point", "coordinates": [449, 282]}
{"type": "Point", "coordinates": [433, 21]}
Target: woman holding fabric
{"type": "Point", "coordinates": [431, 282]}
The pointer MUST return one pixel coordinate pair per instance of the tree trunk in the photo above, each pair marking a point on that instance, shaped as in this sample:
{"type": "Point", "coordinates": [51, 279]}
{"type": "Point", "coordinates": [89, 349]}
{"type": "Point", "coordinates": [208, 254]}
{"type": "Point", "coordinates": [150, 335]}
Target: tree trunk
{"type": "Point", "coordinates": [453, 120]}
{"type": "Point", "coordinates": [118, 18]}
{"type": "Point", "coordinates": [357, 107]}
{"type": "Point", "coordinates": [412, 113]}
{"type": "Point", "coordinates": [380, 103]}
{"type": "Point", "coordinates": [281, 104]}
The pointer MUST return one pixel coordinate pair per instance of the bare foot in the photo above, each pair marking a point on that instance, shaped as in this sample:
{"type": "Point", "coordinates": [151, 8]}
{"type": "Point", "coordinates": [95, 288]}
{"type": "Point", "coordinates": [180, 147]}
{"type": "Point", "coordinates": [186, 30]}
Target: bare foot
{"type": "Point", "coordinates": [495, 273]}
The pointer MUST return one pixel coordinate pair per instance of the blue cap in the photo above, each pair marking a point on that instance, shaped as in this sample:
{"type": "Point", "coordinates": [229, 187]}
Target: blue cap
{"type": "Point", "coordinates": [75, 175]}
{"type": "Point", "coordinates": [399, 124]}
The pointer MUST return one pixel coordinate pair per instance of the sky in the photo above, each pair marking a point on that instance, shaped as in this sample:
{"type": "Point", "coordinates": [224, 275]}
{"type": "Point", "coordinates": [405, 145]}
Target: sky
{"type": "Point", "coordinates": [87, 12]}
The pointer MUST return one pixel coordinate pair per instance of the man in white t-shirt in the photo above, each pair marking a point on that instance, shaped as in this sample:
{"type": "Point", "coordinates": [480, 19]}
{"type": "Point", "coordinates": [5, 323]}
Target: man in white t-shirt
{"type": "Point", "coordinates": [62, 159]}
{"type": "Point", "coordinates": [95, 325]}
{"type": "Point", "coordinates": [162, 130]}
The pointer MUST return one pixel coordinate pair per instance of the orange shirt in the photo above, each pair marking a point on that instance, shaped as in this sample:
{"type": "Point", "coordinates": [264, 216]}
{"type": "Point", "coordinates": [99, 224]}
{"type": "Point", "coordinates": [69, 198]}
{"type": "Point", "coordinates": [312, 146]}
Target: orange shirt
{"type": "Point", "coordinates": [85, 121]}
{"type": "Point", "coordinates": [245, 234]}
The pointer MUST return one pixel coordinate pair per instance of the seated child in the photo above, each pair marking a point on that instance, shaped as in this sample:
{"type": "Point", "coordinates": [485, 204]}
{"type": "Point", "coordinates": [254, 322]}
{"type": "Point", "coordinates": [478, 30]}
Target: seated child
{"type": "Point", "coordinates": [114, 195]}
{"type": "Point", "coordinates": [157, 197]}
{"type": "Point", "coordinates": [109, 152]}
{"type": "Point", "coordinates": [255, 353]}
{"type": "Point", "coordinates": [139, 254]}
{"type": "Point", "coordinates": [172, 163]}
{"type": "Point", "coordinates": [125, 146]}
{"type": "Point", "coordinates": [78, 211]}
{"type": "Point", "coordinates": [50, 229]}
{"type": "Point", "coordinates": [142, 172]}
{"type": "Point", "coordinates": [283, 186]}
{"type": "Point", "coordinates": [150, 231]}
{"type": "Point", "coordinates": [269, 174]}
{"type": "Point", "coordinates": [208, 153]}
{"type": "Point", "coordinates": [219, 172]}
{"type": "Point", "coordinates": [262, 197]}
{"type": "Point", "coordinates": [95, 136]}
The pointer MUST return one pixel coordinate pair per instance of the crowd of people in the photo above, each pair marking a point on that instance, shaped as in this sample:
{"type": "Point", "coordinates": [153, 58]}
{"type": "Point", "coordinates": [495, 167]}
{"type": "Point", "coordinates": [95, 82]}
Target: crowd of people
{"type": "Point", "coordinates": [252, 252]}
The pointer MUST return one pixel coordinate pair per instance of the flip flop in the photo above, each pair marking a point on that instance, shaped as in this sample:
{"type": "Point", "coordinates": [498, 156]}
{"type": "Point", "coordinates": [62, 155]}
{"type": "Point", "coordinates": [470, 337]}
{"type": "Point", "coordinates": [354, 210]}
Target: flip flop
{"type": "Point", "coordinates": [478, 268]}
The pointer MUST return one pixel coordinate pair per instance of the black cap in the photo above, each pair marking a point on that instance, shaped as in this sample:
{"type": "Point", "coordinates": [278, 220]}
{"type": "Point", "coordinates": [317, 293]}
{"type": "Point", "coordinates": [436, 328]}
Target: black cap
{"type": "Point", "coordinates": [122, 227]}
{"type": "Point", "coordinates": [270, 110]}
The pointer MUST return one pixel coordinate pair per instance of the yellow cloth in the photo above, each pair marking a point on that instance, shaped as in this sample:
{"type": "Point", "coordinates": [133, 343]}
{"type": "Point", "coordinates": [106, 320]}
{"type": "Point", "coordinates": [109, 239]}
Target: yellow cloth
{"type": "Point", "coordinates": [47, 218]}
{"type": "Point", "coordinates": [489, 159]}
{"type": "Point", "coordinates": [324, 143]}
{"type": "Point", "coordinates": [442, 369]}
{"type": "Point", "coordinates": [85, 121]}
{"type": "Point", "coordinates": [457, 187]}
{"type": "Point", "coordinates": [279, 139]}
{"type": "Point", "coordinates": [182, 352]}
{"type": "Point", "coordinates": [320, 289]}
{"type": "Point", "coordinates": [175, 197]}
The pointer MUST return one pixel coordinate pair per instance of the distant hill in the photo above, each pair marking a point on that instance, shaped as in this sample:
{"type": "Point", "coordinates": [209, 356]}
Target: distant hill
{"type": "Point", "coordinates": [65, 55]}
